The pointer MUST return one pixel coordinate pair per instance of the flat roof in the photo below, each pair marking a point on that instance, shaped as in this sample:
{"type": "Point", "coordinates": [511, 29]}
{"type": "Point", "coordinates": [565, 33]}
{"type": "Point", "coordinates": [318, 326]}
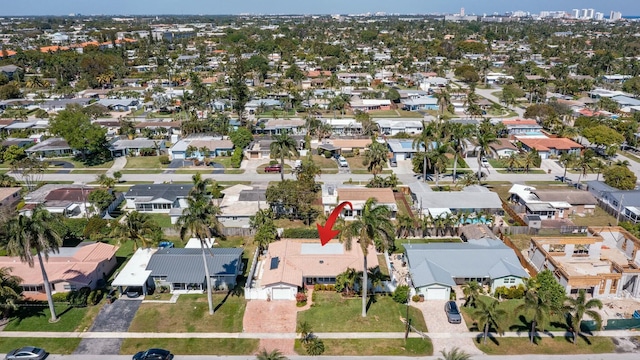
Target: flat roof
{"type": "Point", "coordinates": [135, 272]}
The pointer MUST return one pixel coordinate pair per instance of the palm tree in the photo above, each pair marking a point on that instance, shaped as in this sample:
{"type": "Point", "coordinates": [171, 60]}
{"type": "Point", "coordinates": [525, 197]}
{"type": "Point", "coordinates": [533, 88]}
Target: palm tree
{"type": "Point", "coordinates": [484, 139]}
{"type": "Point", "coordinates": [8, 181]}
{"type": "Point", "coordinates": [10, 291]}
{"type": "Point", "coordinates": [513, 161]}
{"type": "Point", "coordinates": [306, 333]}
{"type": "Point", "coordinates": [567, 159]}
{"type": "Point", "coordinates": [274, 354]}
{"type": "Point", "coordinates": [430, 133]}
{"type": "Point", "coordinates": [540, 309]}
{"type": "Point", "coordinates": [458, 133]}
{"type": "Point", "coordinates": [105, 181]}
{"type": "Point", "coordinates": [488, 316]}
{"type": "Point", "coordinates": [283, 146]}
{"type": "Point", "coordinates": [579, 307]}
{"type": "Point", "coordinates": [472, 291]}
{"type": "Point", "coordinates": [27, 236]}
{"type": "Point", "coordinates": [530, 160]}
{"type": "Point", "coordinates": [375, 157]}
{"type": "Point", "coordinates": [439, 160]}
{"type": "Point", "coordinates": [199, 220]}
{"type": "Point", "coordinates": [373, 227]}
{"type": "Point", "coordinates": [347, 280]}
{"type": "Point", "coordinates": [585, 163]}
{"type": "Point", "coordinates": [376, 277]}
{"type": "Point", "coordinates": [405, 225]}
{"type": "Point", "coordinates": [454, 354]}
{"type": "Point", "coordinates": [138, 227]}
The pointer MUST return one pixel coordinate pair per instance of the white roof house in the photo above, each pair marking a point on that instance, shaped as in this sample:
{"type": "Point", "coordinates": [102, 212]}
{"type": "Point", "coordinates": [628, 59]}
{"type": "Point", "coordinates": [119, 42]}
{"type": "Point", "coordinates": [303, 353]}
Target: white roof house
{"type": "Point", "coordinates": [135, 272]}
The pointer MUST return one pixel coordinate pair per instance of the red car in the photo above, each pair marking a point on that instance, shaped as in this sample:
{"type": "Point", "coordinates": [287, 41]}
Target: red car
{"type": "Point", "coordinates": [272, 168]}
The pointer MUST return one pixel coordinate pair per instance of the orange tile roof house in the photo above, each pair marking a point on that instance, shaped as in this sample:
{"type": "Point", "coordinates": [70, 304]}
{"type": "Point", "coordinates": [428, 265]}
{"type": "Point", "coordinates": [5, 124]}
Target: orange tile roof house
{"type": "Point", "coordinates": [72, 268]}
{"type": "Point", "coordinates": [547, 147]}
{"type": "Point", "coordinates": [293, 263]}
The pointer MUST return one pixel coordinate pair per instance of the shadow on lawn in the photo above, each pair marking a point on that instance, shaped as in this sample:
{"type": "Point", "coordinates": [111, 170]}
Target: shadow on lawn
{"type": "Point", "coordinates": [33, 310]}
{"type": "Point", "coordinates": [525, 327]}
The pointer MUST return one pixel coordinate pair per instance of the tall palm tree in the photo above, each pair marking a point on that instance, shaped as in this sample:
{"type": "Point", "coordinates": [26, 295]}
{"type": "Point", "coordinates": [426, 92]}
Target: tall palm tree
{"type": "Point", "coordinates": [405, 225]}
{"type": "Point", "coordinates": [199, 220]}
{"type": "Point", "coordinates": [105, 181]}
{"type": "Point", "coordinates": [10, 291]}
{"type": "Point", "coordinates": [376, 277]}
{"type": "Point", "coordinates": [27, 236]}
{"type": "Point", "coordinates": [274, 354]}
{"type": "Point", "coordinates": [488, 316]}
{"type": "Point", "coordinates": [431, 132]}
{"type": "Point", "coordinates": [584, 163]}
{"type": "Point", "coordinates": [529, 160]}
{"type": "Point", "coordinates": [540, 309]}
{"type": "Point", "coordinates": [454, 354]}
{"type": "Point", "coordinates": [438, 159]}
{"type": "Point", "coordinates": [579, 307]}
{"type": "Point", "coordinates": [138, 227]}
{"type": "Point", "coordinates": [484, 139]}
{"type": "Point", "coordinates": [283, 146]}
{"type": "Point", "coordinates": [513, 161]}
{"type": "Point", "coordinates": [458, 133]}
{"type": "Point", "coordinates": [472, 291]}
{"type": "Point", "coordinates": [567, 159]}
{"type": "Point", "coordinates": [373, 227]}
{"type": "Point", "coordinates": [375, 157]}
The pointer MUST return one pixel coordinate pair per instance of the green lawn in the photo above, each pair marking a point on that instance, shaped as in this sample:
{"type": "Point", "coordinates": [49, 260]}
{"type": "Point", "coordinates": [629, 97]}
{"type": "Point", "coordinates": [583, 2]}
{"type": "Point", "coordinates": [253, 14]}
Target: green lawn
{"type": "Point", "coordinates": [190, 314]}
{"type": "Point", "coordinates": [557, 345]}
{"type": "Point", "coordinates": [194, 171]}
{"type": "Point", "coordinates": [234, 171]}
{"type": "Point", "coordinates": [88, 171]}
{"type": "Point", "coordinates": [193, 346]}
{"type": "Point", "coordinates": [164, 220]}
{"type": "Point", "coordinates": [512, 321]}
{"type": "Point", "coordinates": [373, 347]}
{"type": "Point", "coordinates": [53, 345]}
{"type": "Point", "coordinates": [365, 171]}
{"type": "Point", "coordinates": [144, 162]}
{"type": "Point", "coordinates": [331, 312]}
{"type": "Point", "coordinates": [80, 164]}
{"type": "Point", "coordinates": [324, 163]}
{"type": "Point", "coordinates": [35, 317]}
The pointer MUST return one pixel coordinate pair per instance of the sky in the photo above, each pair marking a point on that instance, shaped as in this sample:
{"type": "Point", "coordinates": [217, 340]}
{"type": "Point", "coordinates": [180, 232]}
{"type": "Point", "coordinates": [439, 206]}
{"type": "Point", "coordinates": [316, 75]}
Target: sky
{"type": "Point", "coordinates": [212, 7]}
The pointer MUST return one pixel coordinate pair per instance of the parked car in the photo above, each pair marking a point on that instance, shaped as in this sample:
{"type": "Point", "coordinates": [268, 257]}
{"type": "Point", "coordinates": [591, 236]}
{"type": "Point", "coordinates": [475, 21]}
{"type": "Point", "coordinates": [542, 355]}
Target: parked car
{"type": "Point", "coordinates": [343, 162]}
{"type": "Point", "coordinates": [27, 352]}
{"type": "Point", "coordinates": [133, 291]}
{"type": "Point", "coordinates": [453, 314]}
{"type": "Point", "coordinates": [153, 354]}
{"type": "Point", "coordinates": [272, 168]}
{"type": "Point", "coordinates": [393, 163]}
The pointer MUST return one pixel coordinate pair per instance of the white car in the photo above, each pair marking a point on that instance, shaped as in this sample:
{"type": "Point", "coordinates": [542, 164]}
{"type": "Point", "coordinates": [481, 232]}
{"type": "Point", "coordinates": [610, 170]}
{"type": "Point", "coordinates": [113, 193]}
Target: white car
{"type": "Point", "coordinates": [343, 162]}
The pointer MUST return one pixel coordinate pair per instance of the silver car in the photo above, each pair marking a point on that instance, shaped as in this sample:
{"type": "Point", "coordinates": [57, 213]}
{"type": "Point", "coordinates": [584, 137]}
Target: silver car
{"type": "Point", "coordinates": [453, 314]}
{"type": "Point", "coordinates": [27, 353]}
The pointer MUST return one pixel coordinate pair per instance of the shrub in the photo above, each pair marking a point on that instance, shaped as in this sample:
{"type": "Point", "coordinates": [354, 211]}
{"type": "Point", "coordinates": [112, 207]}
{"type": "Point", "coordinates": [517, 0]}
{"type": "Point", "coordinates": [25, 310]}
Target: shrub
{"type": "Point", "coordinates": [301, 298]}
{"type": "Point", "coordinates": [316, 287]}
{"type": "Point", "coordinates": [78, 298]}
{"type": "Point", "coordinates": [300, 233]}
{"type": "Point", "coordinates": [236, 158]}
{"type": "Point", "coordinates": [273, 162]}
{"type": "Point", "coordinates": [59, 297]}
{"type": "Point", "coordinates": [94, 297]}
{"type": "Point", "coordinates": [314, 347]}
{"type": "Point", "coordinates": [401, 294]}
{"type": "Point", "coordinates": [327, 154]}
{"type": "Point", "coordinates": [452, 295]}
{"type": "Point", "coordinates": [415, 298]}
{"type": "Point", "coordinates": [164, 159]}
{"type": "Point", "coordinates": [330, 287]}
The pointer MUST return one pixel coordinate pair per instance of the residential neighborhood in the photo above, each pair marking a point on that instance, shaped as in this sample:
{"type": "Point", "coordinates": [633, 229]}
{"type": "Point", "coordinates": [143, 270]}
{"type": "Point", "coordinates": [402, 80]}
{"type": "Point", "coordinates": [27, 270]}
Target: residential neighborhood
{"type": "Point", "coordinates": [359, 185]}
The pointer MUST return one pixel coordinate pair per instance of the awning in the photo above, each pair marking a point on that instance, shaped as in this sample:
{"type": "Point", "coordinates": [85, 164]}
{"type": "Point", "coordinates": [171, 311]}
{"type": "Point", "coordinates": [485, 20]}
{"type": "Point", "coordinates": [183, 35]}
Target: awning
{"type": "Point", "coordinates": [135, 272]}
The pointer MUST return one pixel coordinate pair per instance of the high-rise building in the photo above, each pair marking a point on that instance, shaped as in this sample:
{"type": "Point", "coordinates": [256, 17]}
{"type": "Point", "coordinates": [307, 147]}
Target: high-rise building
{"type": "Point", "coordinates": [599, 16]}
{"type": "Point", "coordinates": [575, 13]}
{"type": "Point", "coordinates": [461, 11]}
{"type": "Point", "coordinates": [615, 15]}
{"type": "Point", "coordinates": [590, 13]}
{"type": "Point", "coordinates": [583, 14]}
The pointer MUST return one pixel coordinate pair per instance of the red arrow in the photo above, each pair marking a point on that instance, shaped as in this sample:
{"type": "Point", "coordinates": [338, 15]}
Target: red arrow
{"type": "Point", "coordinates": [326, 232]}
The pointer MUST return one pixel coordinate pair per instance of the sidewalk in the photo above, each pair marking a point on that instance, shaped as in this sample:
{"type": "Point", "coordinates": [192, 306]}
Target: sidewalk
{"type": "Point", "coordinates": [270, 335]}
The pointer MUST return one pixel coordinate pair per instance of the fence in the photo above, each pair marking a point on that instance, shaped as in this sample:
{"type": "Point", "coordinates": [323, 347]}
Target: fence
{"type": "Point", "coordinates": [512, 213]}
{"type": "Point", "coordinates": [526, 230]}
{"type": "Point", "coordinates": [523, 261]}
{"type": "Point", "coordinates": [236, 231]}
{"type": "Point", "coordinates": [114, 205]}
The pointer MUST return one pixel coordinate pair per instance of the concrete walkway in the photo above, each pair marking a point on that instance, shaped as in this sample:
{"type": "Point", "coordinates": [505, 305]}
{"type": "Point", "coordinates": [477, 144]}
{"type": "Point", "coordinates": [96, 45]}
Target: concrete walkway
{"type": "Point", "coordinates": [118, 164]}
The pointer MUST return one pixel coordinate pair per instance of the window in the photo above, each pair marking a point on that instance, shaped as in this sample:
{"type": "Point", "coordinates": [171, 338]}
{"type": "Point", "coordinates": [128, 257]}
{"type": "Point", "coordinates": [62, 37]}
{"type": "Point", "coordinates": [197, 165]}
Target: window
{"type": "Point", "coordinates": [70, 287]}
{"type": "Point", "coordinates": [348, 213]}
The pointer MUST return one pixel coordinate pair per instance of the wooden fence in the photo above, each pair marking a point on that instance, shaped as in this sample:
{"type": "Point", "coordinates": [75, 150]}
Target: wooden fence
{"type": "Point", "coordinates": [512, 213]}
{"type": "Point", "coordinates": [523, 261]}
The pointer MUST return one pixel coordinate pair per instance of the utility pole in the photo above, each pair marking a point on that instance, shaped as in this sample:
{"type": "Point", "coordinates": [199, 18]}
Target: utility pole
{"type": "Point", "coordinates": [619, 210]}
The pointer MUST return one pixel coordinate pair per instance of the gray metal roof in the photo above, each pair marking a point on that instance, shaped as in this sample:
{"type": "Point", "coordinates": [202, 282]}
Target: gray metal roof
{"type": "Point", "coordinates": [461, 200]}
{"type": "Point", "coordinates": [169, 192]}
{"type": "Point", "coordinates": [429, 263]}
{"type": "Point", "coordinates": [182, 265]}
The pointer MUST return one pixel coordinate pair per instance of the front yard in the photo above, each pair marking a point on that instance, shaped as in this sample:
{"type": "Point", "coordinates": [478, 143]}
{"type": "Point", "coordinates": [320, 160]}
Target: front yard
{"type": "Point", "coordinates": [550, 346]}
{"type": "Point", "coordinates": [191, 314]}
{"type": "Point", "coordinates": [144, 162]}
{"type": "Point", "coordinates": [374, 347]}
{"type": "Point", "coordinates": [331, 312]}
{"type": "Point", "coordinates": [35, 317]}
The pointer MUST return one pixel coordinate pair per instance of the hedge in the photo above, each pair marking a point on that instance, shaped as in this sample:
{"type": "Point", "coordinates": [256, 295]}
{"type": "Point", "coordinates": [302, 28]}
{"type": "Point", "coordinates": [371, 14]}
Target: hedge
{"type": "Point", "coordinates": [300, 233]}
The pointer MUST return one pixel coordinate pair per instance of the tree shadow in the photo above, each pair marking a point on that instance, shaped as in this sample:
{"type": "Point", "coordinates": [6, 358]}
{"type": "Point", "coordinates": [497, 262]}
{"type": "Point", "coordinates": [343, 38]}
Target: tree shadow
{"type": "Point", "coordinates": [224, 300]}
{"type": "Point", "coordinates": [28, 310]}
{"type": "Point", "coordinates": [491, 336]}
{"type": "Point", "coordinates": [525, 327]}
{"type": "Point", "coordinates": [372, 300]}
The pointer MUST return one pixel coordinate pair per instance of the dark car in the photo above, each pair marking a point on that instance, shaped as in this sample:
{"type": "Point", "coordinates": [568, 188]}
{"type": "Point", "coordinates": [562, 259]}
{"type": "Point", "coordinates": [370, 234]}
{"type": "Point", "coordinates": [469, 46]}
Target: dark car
{"type": "Point", "coordinates": [453, 314]}
{"type": "Point", "coordinates": [27, 352]}
{"type": "Point", "coordinates": [153, 354]}
{"type": "Point", "coordinates": [272, 168]}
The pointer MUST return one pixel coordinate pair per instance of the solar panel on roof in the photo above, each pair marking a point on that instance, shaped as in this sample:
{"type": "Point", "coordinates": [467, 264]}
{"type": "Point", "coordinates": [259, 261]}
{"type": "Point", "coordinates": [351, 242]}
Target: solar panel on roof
{"type": "Point", "coordinates": [274, 263]}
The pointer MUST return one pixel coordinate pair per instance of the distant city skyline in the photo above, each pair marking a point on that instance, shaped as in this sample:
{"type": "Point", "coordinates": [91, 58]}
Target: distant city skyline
{"type": "Point", "coordinates": [213, 7]}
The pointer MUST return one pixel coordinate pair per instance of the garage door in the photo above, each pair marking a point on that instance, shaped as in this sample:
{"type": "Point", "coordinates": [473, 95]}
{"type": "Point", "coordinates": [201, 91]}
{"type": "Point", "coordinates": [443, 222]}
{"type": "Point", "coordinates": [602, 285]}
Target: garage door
{"type": "Point", "coordinates": [436, 294]}
{"type": "Point", "coordinates": [178, 156]}
{"type": "Point", "coordinates": [281, 294]}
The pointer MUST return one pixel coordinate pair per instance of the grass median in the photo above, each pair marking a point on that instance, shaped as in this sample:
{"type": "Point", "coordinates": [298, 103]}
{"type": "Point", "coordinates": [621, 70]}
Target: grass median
{"type": "Point", "coordinates": [193, 346]}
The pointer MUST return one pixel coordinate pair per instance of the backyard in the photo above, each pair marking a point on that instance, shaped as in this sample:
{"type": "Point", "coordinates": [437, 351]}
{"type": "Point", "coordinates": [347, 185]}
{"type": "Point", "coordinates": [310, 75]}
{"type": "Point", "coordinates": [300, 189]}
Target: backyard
{"type": "Point", "coordinates": [190, 314]}
{"type": "Point", "coordinates": [333, 313]}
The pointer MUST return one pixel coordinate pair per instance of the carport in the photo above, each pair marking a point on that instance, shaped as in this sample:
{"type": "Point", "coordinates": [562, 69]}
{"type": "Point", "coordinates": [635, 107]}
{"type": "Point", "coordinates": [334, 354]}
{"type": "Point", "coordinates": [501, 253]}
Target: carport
{"type": "Point", "coordinates": [135, 272]}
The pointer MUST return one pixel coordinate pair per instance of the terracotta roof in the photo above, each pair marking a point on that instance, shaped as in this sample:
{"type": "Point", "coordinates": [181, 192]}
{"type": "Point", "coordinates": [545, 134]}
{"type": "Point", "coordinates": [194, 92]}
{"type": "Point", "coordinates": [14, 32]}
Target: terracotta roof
{"type": "Point", "coordinates": [8, 191]}
{"type": "Point", "coordinates": [68, 194]}
{"type": "Point", "coordinates": [62, 268]}
{"type": "Point", "coordinates": [550, 143]}
{"type": "Point", "coordinates": [351, 143]}
{"type": "Point", "coordinates": [503, 144]}
{"type": "Point", "coordinates": [520, 122]}
{"type": "Point", "coordinates": [382, 196]}
{"type": "Point", "coordinates": [317, 73]}
{"type": "Point", "coordinates": [212, 144]}
{"type": "Point", "coordinates": [169, 124]}
{"type": "Point", "coordinates": [307, 258]}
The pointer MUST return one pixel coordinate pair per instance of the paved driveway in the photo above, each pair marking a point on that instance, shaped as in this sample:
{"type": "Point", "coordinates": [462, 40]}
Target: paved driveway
{"type": "Point", "coordinates": [436, 319]}
{"type": "Point", "coordinates": [111, 318]}
{"type": "Point", "coordinates": [262, 316]}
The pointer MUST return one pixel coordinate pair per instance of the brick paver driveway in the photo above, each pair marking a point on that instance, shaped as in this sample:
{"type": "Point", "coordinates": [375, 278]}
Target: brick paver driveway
{"type": "Point", "coordinates": [436, 319]}
{"type": "Point", "coordinates": [263, 316]}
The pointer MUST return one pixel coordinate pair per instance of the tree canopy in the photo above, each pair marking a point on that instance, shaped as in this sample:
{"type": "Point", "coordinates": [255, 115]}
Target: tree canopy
{"type": "Point", "coordinates": [620, 177]}
{"type": "Point", "coordinates": [76, 128]}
